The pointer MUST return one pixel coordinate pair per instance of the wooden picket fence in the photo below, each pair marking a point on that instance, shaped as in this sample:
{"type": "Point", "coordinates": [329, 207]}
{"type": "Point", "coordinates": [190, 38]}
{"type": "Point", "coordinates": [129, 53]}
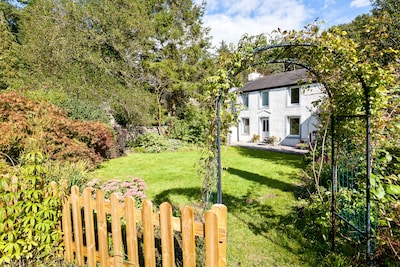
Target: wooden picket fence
{"type": "Point", "coordinates": [105, 233]}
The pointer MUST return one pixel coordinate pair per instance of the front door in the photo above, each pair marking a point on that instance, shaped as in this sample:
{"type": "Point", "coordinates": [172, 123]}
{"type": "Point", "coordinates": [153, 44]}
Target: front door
{"type": "Point", "coordinates": [264, 129]}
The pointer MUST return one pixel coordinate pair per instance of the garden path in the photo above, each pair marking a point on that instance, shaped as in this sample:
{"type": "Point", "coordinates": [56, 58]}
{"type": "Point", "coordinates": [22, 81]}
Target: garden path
{"type": "Point", "coordinates": [276, 148]}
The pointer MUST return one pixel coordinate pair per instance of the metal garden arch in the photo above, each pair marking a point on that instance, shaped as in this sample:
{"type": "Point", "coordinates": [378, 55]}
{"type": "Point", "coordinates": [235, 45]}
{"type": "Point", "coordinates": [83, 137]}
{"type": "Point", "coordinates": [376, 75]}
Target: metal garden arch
{"type": "Point", "coordinates": [365, 229]}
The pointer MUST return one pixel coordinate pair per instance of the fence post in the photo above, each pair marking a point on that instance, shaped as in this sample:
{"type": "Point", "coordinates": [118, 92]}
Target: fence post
{"type": "Point", "coordinates": [116, 230]}
{"type": "Point", "coordinates": [89, 228]}
{"type": "Point", "coordinates": [131, 232]}
{"type": "Point", "coordinates": [211, 236]}
{"type": "Point", "coordinates": [77, 223]}
{"type": "Point", "coordinates": [102, 229]}
{"type": "Point", "coordinates": [67, 228]}
{"type": "Point", "coordinates": [188, 237]}
{"type": "Point", "coordinates": [222, 212]}
{"type": "Point", "coordinates": [167, 235]}
{"type": "Point", "coordinates": [148, 234]}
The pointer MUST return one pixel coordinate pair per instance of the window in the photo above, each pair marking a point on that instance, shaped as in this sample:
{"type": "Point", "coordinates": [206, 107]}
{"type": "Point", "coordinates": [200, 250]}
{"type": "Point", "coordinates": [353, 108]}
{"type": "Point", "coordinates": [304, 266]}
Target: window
{"type": "Point", "coordinates": [294, 95]}
{"type": "Point", "coordinates": [264, 99]}
{"type": "Point", "coordinates": [294, 126]}
{"type": "Point", "coordinates": [246, 126]}
{"type": "Point", "coordinates": [245, 101]}
{"type": "Point", "coordinates": [265, 125]}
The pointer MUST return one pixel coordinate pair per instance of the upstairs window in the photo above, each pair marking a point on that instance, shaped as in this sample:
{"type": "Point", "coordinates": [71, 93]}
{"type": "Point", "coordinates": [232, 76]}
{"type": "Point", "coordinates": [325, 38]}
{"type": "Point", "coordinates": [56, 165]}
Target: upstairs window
{"type": "Point", "coordinates": [245, 101]}
{"type": "Point", "coordinates": [264, 99]}
{"type": "Point", "coordinates": [294, 95]}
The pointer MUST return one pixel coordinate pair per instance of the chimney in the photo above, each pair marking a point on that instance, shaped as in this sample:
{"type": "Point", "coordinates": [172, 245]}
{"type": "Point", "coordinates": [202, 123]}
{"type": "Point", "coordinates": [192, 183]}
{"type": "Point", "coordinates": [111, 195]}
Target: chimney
{"type": "Point", "coordinates": [254, 76]}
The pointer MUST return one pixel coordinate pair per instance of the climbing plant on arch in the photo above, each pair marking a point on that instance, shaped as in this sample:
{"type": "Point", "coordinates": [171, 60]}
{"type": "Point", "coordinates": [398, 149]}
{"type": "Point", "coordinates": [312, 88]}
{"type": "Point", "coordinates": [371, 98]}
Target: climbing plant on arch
{"type": "Point", "coordinates": [346, 71]}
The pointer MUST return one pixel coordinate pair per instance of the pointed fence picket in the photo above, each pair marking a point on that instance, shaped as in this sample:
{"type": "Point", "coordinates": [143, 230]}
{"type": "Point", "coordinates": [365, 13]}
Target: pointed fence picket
{"type": "Point", "coordinates": [94, 236]}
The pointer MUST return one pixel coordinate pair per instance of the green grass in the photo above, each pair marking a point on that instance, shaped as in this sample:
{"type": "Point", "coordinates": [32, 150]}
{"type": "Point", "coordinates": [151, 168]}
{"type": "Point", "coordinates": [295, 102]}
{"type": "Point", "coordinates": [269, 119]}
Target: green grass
{"type": "Point", "coordinates": [258, 188]}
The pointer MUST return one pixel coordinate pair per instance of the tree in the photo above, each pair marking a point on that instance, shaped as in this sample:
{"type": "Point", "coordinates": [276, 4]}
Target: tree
{"type": "Point", "coordinates": [182, 42]}
{"type": "Point", "coordinates": [378, 29]}
{"type": "Point", "coordinates": [11, 14]}
{"type": "Point", "coordinates": [115, 50]}
{"type": "Point", "coordinates": [9, 59]}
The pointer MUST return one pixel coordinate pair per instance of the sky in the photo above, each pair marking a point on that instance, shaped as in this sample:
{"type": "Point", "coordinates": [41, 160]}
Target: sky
{"type": "Point", "coordinates": [228, 20]}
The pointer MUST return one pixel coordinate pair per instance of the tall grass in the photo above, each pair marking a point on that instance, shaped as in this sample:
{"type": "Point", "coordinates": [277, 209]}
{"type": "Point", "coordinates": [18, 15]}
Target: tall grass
{"type": "Point", "coordinates": [259, 189]}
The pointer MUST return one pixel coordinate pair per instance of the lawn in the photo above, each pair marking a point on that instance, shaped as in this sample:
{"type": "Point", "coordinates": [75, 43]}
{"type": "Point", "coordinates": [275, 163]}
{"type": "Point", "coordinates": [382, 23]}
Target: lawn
{"type": "Point", "coordinates": [259, 189]}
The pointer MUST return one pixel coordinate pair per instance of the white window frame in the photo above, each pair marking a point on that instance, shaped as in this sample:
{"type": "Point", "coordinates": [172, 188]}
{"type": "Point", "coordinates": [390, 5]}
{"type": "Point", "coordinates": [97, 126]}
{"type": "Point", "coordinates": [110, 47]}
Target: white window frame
{"type": "Point", "coordinates": [289, 123]}
{"type": "Point", "coordinates": [261, 98]}
{"type": "Point", "coordinates": [245, 130]}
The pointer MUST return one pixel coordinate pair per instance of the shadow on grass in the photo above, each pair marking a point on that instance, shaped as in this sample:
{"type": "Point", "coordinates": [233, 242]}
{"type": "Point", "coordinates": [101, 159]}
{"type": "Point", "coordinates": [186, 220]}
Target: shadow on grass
{"type": "Point", "coordinates": [276, 157]}
{"type": "Point", "coordinates": [285, 231]}
{"type": "Point", "coordinates": [270, 182]}
{"type": "Point", "coordinates": [192, 193]}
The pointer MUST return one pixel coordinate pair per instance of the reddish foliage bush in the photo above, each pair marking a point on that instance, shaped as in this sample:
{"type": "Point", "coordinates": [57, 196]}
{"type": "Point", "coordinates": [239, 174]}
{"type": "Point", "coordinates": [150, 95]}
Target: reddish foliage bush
{"type": "Point", "coordinates": [60, 137]}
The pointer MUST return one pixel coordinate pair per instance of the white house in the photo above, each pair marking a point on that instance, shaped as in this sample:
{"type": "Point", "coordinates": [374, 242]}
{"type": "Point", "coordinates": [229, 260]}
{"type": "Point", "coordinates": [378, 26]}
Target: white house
{"type": "Point", "coordinates": [277, 107]}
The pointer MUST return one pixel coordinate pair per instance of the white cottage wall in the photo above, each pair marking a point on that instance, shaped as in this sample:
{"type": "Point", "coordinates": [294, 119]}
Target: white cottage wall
{"type": "Point", "coordinates": [278, 113]}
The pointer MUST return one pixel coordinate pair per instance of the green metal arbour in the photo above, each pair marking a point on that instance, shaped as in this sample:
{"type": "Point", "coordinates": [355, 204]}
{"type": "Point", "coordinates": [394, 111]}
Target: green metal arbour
{"type": "Point", "coordinates": [362, 226]}
{"type": "Point", "coordinates": [345, 174]}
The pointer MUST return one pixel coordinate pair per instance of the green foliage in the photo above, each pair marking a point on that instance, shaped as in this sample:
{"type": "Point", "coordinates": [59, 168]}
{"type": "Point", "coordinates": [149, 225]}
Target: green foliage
{"type": "Point", "coordinates": [155, 143]}
{"type": "Point", "coordinates": [317, 227]}
{"type": "Point", "coordinates": [134, 108]}
{"type": "Point", "coordinates": [151, 143]}
{"type": "Point", "coordinates": [137, 57]}
{"type": "Point", "coordinates": [61, 138]}
{"type": "Point", "coordinates": [9, 58]}
{"type": "Point", "coordinates": [335, 260]}
{"type": "Point", "coordinates": [29, 214]}
{"type": "Point", "coordinates": [190, 127]}
{"type": "Point", "coordinates": [385, 183]}
{"type": "Point", "coordinates": [74, 107]}
{"type": "Point", "coordinates": [82, 110]}
{"type": "Point", "coordinates": [317, 216]}
{"type": "Point", "coordinates": [68, 173]}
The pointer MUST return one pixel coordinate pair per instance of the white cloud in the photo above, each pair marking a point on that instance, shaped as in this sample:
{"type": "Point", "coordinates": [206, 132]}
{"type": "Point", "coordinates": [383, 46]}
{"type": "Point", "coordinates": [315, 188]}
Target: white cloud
{"type": "Point", "coordinates": [230, 19]}
{"type": "Point", "coordinates": [360, 3]}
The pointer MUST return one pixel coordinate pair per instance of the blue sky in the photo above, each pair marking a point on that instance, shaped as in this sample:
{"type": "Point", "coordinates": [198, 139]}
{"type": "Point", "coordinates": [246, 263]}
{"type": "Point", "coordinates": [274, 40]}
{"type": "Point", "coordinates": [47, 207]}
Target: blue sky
{"type": "Point", "coordinates": [230, 19]}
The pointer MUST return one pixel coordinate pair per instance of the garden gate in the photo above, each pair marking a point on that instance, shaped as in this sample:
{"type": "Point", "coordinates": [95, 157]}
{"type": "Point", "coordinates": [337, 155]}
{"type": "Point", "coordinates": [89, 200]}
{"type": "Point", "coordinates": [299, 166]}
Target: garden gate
{"type": "Point", "coordinates": [351, 179]}
{"type": "Point", "coordinates": [111, 233]}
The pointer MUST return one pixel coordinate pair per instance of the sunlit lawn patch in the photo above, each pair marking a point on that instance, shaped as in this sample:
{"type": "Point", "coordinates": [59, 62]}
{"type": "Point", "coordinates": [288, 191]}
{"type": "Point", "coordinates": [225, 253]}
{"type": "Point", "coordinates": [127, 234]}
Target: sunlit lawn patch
{"type": "Point", "coordinates": [258, 189]}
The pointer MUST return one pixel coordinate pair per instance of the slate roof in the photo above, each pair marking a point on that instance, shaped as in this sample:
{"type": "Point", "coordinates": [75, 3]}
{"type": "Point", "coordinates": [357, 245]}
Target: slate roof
{"type": "Point", "coordinates": [275, 81]}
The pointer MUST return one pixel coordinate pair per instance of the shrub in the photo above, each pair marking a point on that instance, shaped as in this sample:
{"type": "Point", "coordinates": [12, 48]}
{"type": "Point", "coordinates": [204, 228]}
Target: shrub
{"type": "Point", "coordinates": [61, 138]}
{"type": "Point", "coordinates": [75, 108]}
{"type": "Point", "coordinates": [191, 127]}
{"type": "Point", "coordinates": [154, 143]}
{"type": "Point", "coordinates": [79, 109]}
{"type": "Point", "coordinates": [255, 138]}
{"type": "Point", "coordinates": [175, 144]}
{"type": "Point", "coordinates": [29, 215]}
{"type": "Point", "coordinates": [68, 173]}
{"type": "Point", "coordinates": [151, 143]}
